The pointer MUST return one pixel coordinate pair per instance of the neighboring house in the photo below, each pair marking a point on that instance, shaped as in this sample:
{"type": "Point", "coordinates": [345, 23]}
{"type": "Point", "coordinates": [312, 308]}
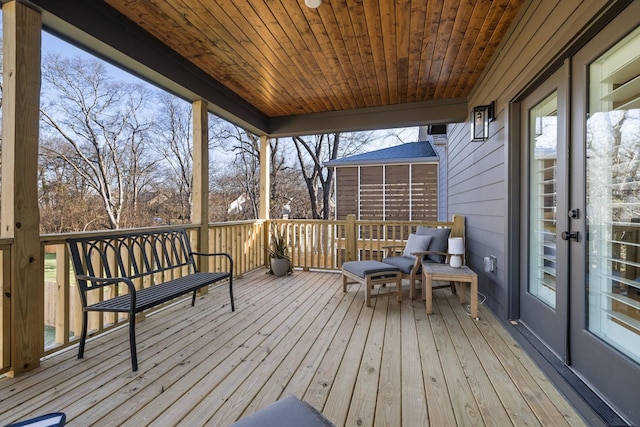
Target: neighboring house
{"type": "Point", "coordinates": [237, 206]}
{"type": "Point", "coordinates": [398, 183]}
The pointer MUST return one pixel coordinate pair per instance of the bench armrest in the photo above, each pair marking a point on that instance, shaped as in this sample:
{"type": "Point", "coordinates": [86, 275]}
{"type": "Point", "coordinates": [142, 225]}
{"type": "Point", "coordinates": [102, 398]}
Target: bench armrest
{"type": "Point", "coordinates": [217, 254]}
{"type": "Point", "coordinates": [101, 282]}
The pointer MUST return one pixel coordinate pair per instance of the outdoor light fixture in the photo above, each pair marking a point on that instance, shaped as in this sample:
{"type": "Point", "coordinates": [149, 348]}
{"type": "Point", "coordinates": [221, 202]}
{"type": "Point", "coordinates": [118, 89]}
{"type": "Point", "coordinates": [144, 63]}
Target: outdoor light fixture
{"type": "Point", "coordinates": [456, 250]}
{"type": "Point", "coordinates": [313, 4]}
{"type": "Point", "coordinates": [480, 118]}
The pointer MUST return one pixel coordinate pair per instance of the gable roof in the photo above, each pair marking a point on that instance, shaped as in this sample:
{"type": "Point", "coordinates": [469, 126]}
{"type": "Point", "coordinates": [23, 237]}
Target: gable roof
{"type": "Point", "coordinates": [414, 152]}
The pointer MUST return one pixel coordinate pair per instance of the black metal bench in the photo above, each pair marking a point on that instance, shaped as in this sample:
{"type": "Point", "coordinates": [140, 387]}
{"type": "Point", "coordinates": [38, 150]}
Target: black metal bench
{"type": "Point", "coordinates": [144, 269]}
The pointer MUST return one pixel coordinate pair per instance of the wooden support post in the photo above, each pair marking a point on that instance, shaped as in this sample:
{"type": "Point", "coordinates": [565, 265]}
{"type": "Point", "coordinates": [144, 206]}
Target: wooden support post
{"type": "Point", "coordinates": [20, 219]}
{"type": "Point", "coordinates": [5, 310]}
{"type": "Point", "coordinates": [200, 206]}
{"type": "Point", "coordinates": [265, 177]}
{"type": "Point", "coordinates": [351, 237]}
{"type": "Point", "coordinates": [265, 192]}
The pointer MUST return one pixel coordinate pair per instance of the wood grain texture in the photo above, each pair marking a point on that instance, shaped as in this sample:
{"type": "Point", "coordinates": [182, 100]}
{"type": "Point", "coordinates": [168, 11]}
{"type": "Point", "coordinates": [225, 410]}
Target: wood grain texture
{"type": "Point", "coordinates": [20, 213]}
{"type": "Point", "coordinates": [389, 364]}
{"type": "Point", "coordinates": [287, 59]}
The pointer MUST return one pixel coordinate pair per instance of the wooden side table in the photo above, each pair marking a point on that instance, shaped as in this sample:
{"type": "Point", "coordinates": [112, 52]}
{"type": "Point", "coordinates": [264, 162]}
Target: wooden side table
{"type": "Point", "coordinates": [445, 272]}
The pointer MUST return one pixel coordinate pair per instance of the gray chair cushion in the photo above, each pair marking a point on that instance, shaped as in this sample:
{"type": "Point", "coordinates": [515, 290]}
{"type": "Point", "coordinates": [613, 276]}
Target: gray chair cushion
{"type": "Point", "coordinates": [439, 241]}
{"type": "Point", "coordinates": [287, 412]}
{"type": "Point", "coordinates": [362, 268]}
{"type": "Point", "coordinates": [416, 243]}
{"type": "Point", "coordinates": [405, 264]}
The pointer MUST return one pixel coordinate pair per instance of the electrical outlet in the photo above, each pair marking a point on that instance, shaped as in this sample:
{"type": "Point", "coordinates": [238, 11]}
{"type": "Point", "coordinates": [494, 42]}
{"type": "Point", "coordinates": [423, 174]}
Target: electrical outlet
{"type": "Point", "coordinates": [490, 263]}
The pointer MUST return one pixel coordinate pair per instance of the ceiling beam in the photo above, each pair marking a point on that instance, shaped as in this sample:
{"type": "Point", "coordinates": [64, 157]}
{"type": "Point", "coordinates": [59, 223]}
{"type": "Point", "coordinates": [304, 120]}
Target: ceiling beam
{"type": "Point", "coordinates": [396, 116]}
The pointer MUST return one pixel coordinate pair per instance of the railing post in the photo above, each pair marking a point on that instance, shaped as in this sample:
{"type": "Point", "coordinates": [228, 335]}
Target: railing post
{"type": "Point", "coordinates": [266, 241]}
{"type": "Point", "coordinates": [351, 237]}
{"type": "Point", "coordinates": [458, 226]}
{"type": "Point", "coordinates": [62, 295]}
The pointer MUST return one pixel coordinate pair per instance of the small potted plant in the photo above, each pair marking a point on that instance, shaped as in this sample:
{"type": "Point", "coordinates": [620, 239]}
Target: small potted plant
{"type": "Point", "coordinates": [280, 262]}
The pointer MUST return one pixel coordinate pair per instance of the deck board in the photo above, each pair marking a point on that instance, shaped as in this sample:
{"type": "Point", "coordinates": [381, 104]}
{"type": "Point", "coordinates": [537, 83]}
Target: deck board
{"type": "Point", "coordinates": [388, 365]}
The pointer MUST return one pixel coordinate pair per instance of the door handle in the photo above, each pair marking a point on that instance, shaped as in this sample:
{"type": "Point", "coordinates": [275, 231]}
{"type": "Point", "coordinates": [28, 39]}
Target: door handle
{"type": "Point", "coordinates": [569, 235]}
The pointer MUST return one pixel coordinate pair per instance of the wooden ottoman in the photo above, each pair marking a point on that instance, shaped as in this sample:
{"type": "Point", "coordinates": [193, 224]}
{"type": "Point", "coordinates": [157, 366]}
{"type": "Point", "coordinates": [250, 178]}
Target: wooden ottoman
{"type": "Point", "coordinates": [371, 273]}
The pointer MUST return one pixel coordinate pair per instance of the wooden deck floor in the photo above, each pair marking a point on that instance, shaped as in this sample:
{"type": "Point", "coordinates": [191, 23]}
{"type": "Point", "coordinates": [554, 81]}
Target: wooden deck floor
{"type": "Point", "coordinates": [388, 365]}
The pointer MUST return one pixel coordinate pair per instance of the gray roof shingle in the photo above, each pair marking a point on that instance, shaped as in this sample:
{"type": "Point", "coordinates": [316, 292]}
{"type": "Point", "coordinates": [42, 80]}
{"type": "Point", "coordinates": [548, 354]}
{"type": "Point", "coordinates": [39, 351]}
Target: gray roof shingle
{"type": "Point", "coordinates": [413, 152]}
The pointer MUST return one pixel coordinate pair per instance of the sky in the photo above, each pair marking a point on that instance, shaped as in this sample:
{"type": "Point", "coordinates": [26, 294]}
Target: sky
{"type": "Point", "coordinates": [52, 44]}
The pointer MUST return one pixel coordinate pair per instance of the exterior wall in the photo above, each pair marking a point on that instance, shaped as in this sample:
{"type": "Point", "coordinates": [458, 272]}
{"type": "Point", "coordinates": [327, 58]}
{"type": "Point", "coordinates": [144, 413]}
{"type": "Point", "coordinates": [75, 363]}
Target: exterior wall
{"type": "Point", "coordinates": [376, 192]}
{"type": "Point", "coordinates": [478, 181]}
{"type": "Point", "coordinates": [346, 182]}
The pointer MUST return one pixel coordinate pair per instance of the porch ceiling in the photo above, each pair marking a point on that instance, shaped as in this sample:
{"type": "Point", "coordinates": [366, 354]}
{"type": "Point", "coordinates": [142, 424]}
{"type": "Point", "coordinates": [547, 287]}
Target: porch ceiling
{"type": "Point", "coordinates": [289, 69]}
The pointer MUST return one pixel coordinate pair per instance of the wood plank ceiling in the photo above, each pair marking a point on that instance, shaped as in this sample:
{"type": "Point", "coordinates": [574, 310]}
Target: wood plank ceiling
{"type": "Point", "coordinates": [287, 59]}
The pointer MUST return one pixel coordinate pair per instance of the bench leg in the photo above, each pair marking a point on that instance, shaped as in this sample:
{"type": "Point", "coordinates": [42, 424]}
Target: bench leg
{"type": "Point", "coordinates": [367, 291]}
{"type": "Point", "coordinates": [83, 335]}
{"type": "Point", "coordinates": [233, 307]}
{"type": "Point", "coordinates": [132, 341]}
{"type": "Point", "coordinates": [193, 298]}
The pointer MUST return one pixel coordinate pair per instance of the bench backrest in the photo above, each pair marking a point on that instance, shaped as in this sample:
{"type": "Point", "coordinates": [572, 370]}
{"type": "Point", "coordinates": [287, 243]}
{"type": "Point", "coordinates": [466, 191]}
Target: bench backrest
{"type": "Point", "coordinates": [133, 255]}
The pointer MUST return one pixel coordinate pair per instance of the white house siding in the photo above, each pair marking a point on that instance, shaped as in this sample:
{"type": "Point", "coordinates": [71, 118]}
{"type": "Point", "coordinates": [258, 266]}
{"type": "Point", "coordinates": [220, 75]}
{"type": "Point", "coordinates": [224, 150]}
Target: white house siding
{"type": "Point", "coordinates": [478, 171]}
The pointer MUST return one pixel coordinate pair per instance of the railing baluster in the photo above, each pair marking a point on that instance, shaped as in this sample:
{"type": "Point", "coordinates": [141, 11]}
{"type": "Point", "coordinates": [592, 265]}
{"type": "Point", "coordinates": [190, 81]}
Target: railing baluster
{"type": "Point", "coordinates": [62, 304]}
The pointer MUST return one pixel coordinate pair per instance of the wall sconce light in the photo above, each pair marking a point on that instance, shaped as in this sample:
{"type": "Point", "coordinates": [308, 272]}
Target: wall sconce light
{"type": "Point", "coordinates": [313, 4]}
{"type": "Point", "coordinates": [480, 118]}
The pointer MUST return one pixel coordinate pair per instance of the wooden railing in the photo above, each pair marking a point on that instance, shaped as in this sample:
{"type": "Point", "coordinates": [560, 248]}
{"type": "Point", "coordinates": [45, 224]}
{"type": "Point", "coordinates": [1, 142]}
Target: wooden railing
{"type": "Point", "coordinates": [244, 240]}
{"type": "Point", "coordinates": [313, 244]}
{"type": "Point", "coordinates": [5, 313]}
{"type": "Point", "coordinates": [319, 244]}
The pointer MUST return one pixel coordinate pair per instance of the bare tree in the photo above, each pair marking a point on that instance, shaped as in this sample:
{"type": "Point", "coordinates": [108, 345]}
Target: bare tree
{"type": "Point", "coordinates": [100, 121]}
{"type": "Point", "coordinates": [313, 151]}
{"type": "Point", "coordinates": [175, 145]}
{"type": "Point", "coordinates": [246, 147]}
{"type": "Point", "coordinates": [65, 204]}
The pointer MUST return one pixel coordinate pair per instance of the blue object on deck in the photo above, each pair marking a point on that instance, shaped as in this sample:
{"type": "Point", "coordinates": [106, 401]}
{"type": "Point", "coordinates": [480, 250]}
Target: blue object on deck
{"type": "Point", "coordinates": [54, 419]}
{"type": "Point", "coordinates": [287, 412]}
{"type": "Point", "coordinates": [362, 268]}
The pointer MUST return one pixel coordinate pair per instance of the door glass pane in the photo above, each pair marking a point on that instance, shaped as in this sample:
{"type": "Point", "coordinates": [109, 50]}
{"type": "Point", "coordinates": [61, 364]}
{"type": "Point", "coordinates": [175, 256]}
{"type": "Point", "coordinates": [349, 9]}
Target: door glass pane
{"type": "Point", "coordinates": [543, 143]}
{"type": "Point", "coordinates": [613, 196]}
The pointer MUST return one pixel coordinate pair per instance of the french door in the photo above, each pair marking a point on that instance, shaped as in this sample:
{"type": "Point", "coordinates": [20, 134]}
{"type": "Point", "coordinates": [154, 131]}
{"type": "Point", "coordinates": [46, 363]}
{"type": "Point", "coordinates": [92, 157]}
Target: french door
{"type": "Point", "coordinates": [580, 212]}
{"type": "Point", "coordinates": [605, 264]}
{"type": "Point", "coordinates": [544, 219]}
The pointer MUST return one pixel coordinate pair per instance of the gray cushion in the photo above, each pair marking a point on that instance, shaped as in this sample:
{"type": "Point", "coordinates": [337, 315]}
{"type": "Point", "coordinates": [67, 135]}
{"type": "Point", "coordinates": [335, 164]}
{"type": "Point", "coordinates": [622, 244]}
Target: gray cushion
{"type": "Point", "coordinates": [362, 268]}
{"type": "Point", "coordinates": [439, 241]}
{"type": "Point", "coordinates": [287, 412]}
{"type": "Point", "coordinates": [404, 263]}
{"type": "Point", "coordinates": [416, 243]}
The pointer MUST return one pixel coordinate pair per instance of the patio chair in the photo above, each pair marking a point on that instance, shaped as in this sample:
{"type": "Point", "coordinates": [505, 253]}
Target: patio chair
{"type": "Point", "coordinates": [427, 244]}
